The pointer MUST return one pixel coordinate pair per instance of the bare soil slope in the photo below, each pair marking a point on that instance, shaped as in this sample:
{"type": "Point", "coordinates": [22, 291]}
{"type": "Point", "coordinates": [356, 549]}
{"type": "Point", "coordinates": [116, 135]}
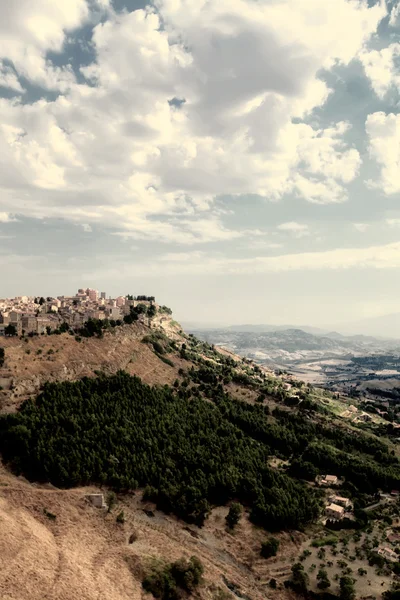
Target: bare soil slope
{"type": "Point", "coordinates": [30, 362]}
{"type": "Point", "coordinates": [83, 553]}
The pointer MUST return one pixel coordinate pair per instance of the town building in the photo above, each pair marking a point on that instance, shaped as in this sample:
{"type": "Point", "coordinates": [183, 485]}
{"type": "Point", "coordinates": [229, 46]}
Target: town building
{"type": "Point", "coordinates": [393, 536]}
{"type": "Point", "coordinates": [38, 315]}
{"type": "Point", "coordinates": [29, 323]}
{"type": "Point", "coordinates": [334, 511]}
{"type": "Point", "coordinates": [114, 313]}
{"type": "Point", "coordinates": [92, 294]}
{"type": "Point", "coordinates": [345, 502]}
{"type": "Point", "coordinates": [388, 554]}
{"type": "Point", "coordinates": [328, 480]}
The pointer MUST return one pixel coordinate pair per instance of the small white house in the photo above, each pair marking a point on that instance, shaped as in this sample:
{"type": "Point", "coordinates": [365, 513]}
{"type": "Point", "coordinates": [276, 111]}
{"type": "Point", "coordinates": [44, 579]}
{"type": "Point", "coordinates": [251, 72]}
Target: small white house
{"type": "Point", "coordinates": [334, 511]}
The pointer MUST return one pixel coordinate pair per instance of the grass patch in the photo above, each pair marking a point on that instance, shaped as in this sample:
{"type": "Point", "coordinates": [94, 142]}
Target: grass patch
{"type": "Point", "coordinates": [165, 360]}
{"type": "Point", "coordinates": [330, 540]}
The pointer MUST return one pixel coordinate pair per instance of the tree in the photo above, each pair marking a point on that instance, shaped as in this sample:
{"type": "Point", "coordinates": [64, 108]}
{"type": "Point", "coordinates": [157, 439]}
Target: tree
{"type": "Point", "coordinates": [151, 311]}
{"type": "Point", "coordinates": [111, 500]}
{"type": "Point", "coordinates": [42, 301]}
{"type": "Point", "coordinates": [2, 357]}
{"type": "Point", "coordinates": [323, 580]}
{"type": "Point", "coordinates": [233, 516]}
{"type": "Point", "coordinates": [393, 593]}
{"type": "Point", "coordinates": [273, 584]}
{"type": "Point", "coordinates": [10, 330]}
{"type": "Point", "coordinates": [300, 579]}
{"type": "Point", "coordinates": [141, 309]}
{"type": "Point", "coordinates": [269, 547]}
{"type": "Point", "coordinates": [347, 591]}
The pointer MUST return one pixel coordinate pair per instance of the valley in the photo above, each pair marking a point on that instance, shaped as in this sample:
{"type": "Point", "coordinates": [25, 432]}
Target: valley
{"type": "Point", "coordinates": [356, 365]}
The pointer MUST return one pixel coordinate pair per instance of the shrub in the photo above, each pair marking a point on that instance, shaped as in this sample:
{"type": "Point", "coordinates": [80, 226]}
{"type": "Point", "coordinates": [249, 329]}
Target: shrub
{"type": "Point", "coordinates": [169, 581]}
{"type": "Point", "coordinates": [233, 516]}
{"type": "Point", "coordinates": [269, 547]}
{"type": "Point", "coordinates": [111, 500]}
{"type": "Point", "coordinates": [158, 349]}
{"type": "Point", "coordinates": [120, 517]}
{"type": "Point", "coordinates": [323, 580]}
{"type": "Point", "coordinates": [330, 540]}
{"type": "Point", "coordinates": [166, 360]}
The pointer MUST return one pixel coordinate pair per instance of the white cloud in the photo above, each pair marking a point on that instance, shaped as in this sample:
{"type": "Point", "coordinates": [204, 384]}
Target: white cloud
{"type": "Point", "coordinates": [381, 68]}
{"type": "Point", "coordinates": [296, 229]}
{"type": "Point", "coordinates": [394, 15]}
{"type": "Point", "coordinates": [9, 79]}
{"type": "Point", "coordinates": [373, 257]}
{"type": "Point", "coordinates": [181, 256]}
{"type": "Point", "coordinates": [361, 227]}
{"type": "Point", "coordinates": [30, 28]}
{"type": "Point", "coordinates": [87, 228]}
{"type": "Point", "coordinates": [260, 244]}
{"type": "Point", "coordinates": [116, 152]}
{"type": "Point", "coordinates": [383, 131]}
{"type": "Point", "coordinates": [6, 217]}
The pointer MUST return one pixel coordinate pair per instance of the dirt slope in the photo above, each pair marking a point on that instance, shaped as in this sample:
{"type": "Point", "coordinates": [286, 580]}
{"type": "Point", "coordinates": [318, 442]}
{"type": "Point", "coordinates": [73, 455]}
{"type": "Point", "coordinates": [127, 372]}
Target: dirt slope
{"type": "Point", "coordinates": [30, 362]}
{"type": "Point", "coordinates": [85, 554]}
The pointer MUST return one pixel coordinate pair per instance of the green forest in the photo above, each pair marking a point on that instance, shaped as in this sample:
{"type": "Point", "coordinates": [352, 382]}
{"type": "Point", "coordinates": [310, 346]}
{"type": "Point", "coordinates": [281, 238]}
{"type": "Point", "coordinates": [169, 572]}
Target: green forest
{"type": "Point", "coordinates": [192, 446]}
{"type": "Point", "coordinates": [120, 432]}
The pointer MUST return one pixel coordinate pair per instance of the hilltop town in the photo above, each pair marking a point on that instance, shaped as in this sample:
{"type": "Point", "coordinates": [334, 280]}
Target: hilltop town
{"type": "Point", "coordinates": [29, 315]}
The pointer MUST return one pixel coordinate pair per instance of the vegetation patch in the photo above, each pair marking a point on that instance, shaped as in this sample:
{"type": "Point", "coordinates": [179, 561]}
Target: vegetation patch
{"type": "Point", "coordinates": [120, 432]}
{"type": "Point", "coordinates": [171, 581]}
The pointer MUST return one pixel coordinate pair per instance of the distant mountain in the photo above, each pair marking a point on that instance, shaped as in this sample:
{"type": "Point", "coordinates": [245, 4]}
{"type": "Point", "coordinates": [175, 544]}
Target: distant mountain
{"type": "Point", "coordinates": [334, 335]}
{"type": "Point", "coordinates": [385, 326]}
{"type": "Point", "coordinates": [267, 328]}
{"type": "Point", "coordinates": [294, 345]}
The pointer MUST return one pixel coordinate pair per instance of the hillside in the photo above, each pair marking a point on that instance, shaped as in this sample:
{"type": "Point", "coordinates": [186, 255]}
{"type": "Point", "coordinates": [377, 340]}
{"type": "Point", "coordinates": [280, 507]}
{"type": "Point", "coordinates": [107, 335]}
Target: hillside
{"type": "Point", "coordinates": [83, 553]}
{"type": "Point", "coordinates": [32, 361]}
{"type": "Point", "coordinates": [209, 429]}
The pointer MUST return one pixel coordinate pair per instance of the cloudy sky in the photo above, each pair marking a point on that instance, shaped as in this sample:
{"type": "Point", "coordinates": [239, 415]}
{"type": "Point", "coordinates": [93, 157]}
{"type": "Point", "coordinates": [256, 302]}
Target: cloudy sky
{"type": "Point", "coordinates": [239, 159]}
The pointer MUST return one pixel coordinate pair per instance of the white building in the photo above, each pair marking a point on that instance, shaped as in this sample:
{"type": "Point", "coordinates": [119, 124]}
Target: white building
{"type": "Point", "coordinates": [114, 313]}
{"type": "Point", "coordinates": [329, 480]}
{"type": "Point", "coordinates": [345, 502]}
{"type": "Point", "coordinates": [388, 554]}
{"type": "Point", "coordinates": [93, 294]}
{"type": "Point", "coordinates": [334, 511]}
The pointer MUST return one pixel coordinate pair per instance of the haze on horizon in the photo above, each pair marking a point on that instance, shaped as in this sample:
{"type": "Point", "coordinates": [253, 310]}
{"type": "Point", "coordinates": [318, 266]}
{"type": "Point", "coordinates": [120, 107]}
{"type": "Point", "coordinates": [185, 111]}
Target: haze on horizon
{"type": "Point", "coordinates": [239, 160]}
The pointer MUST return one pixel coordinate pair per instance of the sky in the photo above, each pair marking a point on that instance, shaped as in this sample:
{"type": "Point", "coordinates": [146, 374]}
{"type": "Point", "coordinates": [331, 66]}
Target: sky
{"type": "Point", "coordinates": [238, 159]}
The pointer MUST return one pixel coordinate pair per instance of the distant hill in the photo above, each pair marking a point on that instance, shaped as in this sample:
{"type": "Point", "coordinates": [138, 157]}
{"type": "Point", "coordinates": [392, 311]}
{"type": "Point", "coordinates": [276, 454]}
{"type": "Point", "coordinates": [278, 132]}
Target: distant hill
{"type": "Point", "coordinates": [385, 326]}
